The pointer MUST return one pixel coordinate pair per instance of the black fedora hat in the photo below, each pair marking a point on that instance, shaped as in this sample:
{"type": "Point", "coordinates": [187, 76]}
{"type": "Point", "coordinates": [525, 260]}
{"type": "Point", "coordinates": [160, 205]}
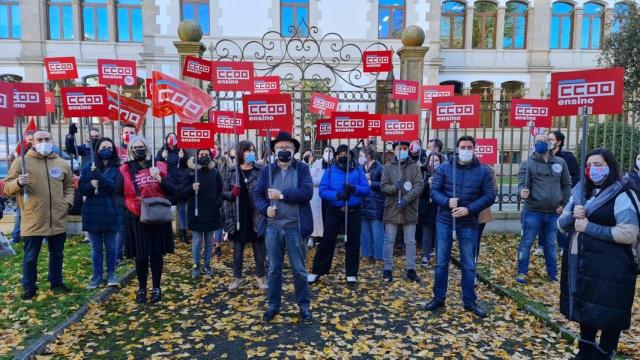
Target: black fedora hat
{"type": "Point", "coordinates": [284, 136]}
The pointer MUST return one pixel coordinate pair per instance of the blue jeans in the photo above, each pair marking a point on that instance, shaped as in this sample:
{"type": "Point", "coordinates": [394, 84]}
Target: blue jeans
{"type": "Point", "coordinates": [467, 240]}
{"type": "Point", "coordinates": [32, 245]}
{"type": "Point", "coordinates": [196, 247]}
{"type": "Point", "coordinates": [372, 238]}
{"type": "Point", "coordinates": [217, 238]}
{"type": "Point", "coordinates": [544, 226]}
{"type": "Point", "coordinates": [277, 241]}
{"type": "Point", "coordinates": [98, 239]}
{"type": "Point", "coordinates": [181, 209]}
{"type": "Point", "coordinates": [15, 234]}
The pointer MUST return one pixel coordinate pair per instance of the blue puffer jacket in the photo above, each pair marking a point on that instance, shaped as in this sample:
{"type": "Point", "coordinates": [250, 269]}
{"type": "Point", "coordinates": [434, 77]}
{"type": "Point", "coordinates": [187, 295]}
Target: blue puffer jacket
{"type": "Point", "coordinates": [474, 190]}
{"type": "Point", "coordinates": [333, 182]}
{"type": "Point", "coordinates": [373, 204]}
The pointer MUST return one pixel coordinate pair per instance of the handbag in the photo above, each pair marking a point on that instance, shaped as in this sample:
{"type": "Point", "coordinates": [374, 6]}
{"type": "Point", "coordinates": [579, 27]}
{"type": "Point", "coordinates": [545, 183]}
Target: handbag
{"type": "Point", "coordinates": [153, 210]}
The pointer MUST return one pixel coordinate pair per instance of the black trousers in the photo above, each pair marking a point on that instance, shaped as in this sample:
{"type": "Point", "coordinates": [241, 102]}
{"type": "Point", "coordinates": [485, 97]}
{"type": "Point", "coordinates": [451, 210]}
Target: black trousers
{"type": "Point", "coordinates": [327, 246]}
{"type": "Point", "coordinates": [142, 270]}
{"type": "Point", "coordinates": [259, 256]}
{"type": "Point", "coordinates": [608, 340]}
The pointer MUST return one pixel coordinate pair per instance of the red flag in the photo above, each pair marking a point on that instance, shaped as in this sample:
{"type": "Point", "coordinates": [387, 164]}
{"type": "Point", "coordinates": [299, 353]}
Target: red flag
{"type": "Point", "coordinates": [400, 127]}
{"type": "Point", "coordinates": [266, 85]}
{"type": "Point", "coordinates": [377, 61]}
{"type": "Point", "coordinates": [487, 151]}
{"type": "Point", "coordinates": [271, 111]}
{"type": "Point", "coordinates": [131, 111]}
{"type": "Point", "coordinates": [323, 129]}
{"type": "Point", "coordinates": [50, 102]}
{"type": "Point", "coordinates": [148, 85]}
{"type": "Point", "coordinates": [535, 111]}
{"type": "Point", "coordinates": [232, 76]}
{"type": "Point", "coordinates": [61, 68]}
{"type": "Point", "coordinates": [195, 136]}
{"type": "Point", "coordinates": [405, 89]}
{"type": "Point", "coordinates": [431, 91]}
{"type": "Point", "coordinates": [323, 104]}
{"type": "Point", "coordinates": [173, 96]}
{"type": "Point", "coordinates": [599, 89]}
{"type": "Point", "coordinates": [117, 72]}
{"type": "Point", "coordinates": [197, 68]}
{"type": "Point", "coordinates": [31, 128]}
{"type": "Point", "coordinates": [224, 123]}
{"type": "Point", "coordinates": [350, 125]}
{"type": "Point", "coordinates": [7, 112]}
{"type": "Point", "coordinates": [28, 99]}
{"type": "Point", "coordinates": [463, 109]}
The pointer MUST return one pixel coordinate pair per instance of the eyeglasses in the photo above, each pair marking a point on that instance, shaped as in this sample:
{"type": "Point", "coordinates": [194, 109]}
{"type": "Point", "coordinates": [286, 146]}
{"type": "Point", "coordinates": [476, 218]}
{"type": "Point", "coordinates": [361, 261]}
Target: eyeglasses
{"type": "Point", "coordinates": [284, 148]}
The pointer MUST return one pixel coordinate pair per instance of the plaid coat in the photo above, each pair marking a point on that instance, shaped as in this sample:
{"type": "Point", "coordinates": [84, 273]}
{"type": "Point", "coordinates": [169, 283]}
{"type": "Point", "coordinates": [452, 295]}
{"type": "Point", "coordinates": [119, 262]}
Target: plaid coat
{"type": "Point", "coordinates": [102, 212]}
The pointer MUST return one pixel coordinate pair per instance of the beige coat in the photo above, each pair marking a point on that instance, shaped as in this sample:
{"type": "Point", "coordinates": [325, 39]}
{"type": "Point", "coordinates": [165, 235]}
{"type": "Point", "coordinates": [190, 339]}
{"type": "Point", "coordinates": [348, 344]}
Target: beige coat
{"type": "Point", "coordinates": [50, 193]}
{"type": "Point", "coordinates": [485, 216]}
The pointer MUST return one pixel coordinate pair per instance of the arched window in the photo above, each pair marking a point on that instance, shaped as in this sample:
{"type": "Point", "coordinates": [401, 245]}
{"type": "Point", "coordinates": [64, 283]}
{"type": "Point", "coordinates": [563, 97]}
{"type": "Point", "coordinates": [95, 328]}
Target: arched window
{"type": "Point", "coordinates": [510, 90]}
{"type": "Point", "coordinates": [10, 78]}
{"type": "Point", "coordinates": [484, 25]}
{"type": "Point", "coordinates": [592, 26]}
{"type": "Point", "coordinates": [561, 25]}
{"type": "Point", "coordinates": [292, 14]}
{"type": "Point", "coordinates": [129, 20]}
{"type": "Point", "coordinates": [95, 22]}
{"type": "Point", "coordinates": [391, 18]}
{"type": "Point", "coordinates": [485, 90]}
{"type": "Point", "coordinates": [515, 25]}
{"type": "Point", "coordinates": [620, 16]}
{"type": "Point", "coordinates": [196, 11]}
{"type": "Point", "coordinates": [452, 25]}
{"type": "Point", "coordinates": [60, 18]}
{"type": "Point", "coordinates": [10, 19]}
{"type": "Point", "coordinates": [457, 86]}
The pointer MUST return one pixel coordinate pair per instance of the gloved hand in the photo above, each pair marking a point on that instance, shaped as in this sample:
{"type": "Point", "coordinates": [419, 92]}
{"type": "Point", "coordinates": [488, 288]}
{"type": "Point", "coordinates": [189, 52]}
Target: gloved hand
{"type": "Point", "coordinates": [73, 129]}
{"type": "Point", "coordinates": [402, 203]}
{"type": "Point", "coordinates": [349, 188]}
{"type": "Point", "coordinates": [95, 173]}
{"type": "Point", "coordinates": [399, 185]}
{"type": "Point", "coordinates": [343, 196]}
{"type": "Point", "coordinates": [235, 192]}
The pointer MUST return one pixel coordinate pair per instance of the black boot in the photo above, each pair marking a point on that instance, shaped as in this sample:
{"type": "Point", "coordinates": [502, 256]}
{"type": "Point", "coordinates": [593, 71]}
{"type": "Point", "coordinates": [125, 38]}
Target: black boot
{"type": "Point", "coordinates": [586, 352]}
{"type": "Point", "coordinates": [183, 236]}
{"type": "Point", "coordinates": [156, 295]}
{"type": "Point", "coordinates": [141, 296]}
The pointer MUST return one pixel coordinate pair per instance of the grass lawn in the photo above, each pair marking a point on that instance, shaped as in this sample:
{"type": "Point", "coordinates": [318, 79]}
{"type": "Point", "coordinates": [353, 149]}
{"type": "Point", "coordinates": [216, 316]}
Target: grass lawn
{"type": "Point", "coordinates": [22, 321]}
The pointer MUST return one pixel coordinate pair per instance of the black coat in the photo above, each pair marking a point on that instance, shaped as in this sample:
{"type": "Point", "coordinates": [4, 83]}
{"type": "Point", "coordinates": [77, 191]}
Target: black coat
{"type": "Point", "coordinates": [209, 198]}
{"type": "Point", "coordinates": [176, 167]}
{"type": "Point", "coordinates": [572, 164]}
{"type": "Point", "coordinates": [605, 279]}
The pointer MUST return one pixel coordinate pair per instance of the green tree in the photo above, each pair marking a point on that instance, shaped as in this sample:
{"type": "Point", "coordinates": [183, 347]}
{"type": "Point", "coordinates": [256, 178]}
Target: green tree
{"type": "Point", "coordinates": [621, 138]}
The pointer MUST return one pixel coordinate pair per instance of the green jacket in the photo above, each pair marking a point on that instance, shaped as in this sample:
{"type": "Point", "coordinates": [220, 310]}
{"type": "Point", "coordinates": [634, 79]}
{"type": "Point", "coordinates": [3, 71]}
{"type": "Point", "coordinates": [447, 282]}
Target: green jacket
{"type": "Point", "coordinates": [549, 183]}
{"type": "Point", "coordinates": [409, 173]}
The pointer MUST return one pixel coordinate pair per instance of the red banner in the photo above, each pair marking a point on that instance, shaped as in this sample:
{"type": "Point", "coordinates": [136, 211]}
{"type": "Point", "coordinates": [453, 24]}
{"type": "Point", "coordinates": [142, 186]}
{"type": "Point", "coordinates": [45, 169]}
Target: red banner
{"type": "Point", "coordinates": [117, 72]}
{"type": "Point", "coordinates": [599, 89]}
{"type": "Point", "coordinates": [323, 129]}
{"type": "Point", "coordinates": [232, 76]}
{"type": "Point", "coordinates": [85, 101]}
{"type": "Point", "coordinates": [30, 128]}
{"type": "Point", "coordinates": [173, 96]}
{"type": "Point", "coordinates": [350, 125]}
{"type": "Point", "coordinates": [195, 135]}
{"type": "Point", "coordinates": [463, 109]}
{"type": "Point", "coordinates": [377, 61]}
{"type": "Point", "coordinates": [7, 112]}
{"type": "Point", "coordinates": [28, 99]}
{"type": "Point", "coordinates": [431, 91]}
{"type": "Point", "coordinates": [262, 111]}
{"type": "Point", "coordinates": [524, 111]}
{"type": "Point", "coordinates": [50, 101]}
{"type": "Point", "coordinates": [225, 123]}
{"type": "Point", "coordinates": [197, 68]}
{"type": "Point", "coordinates": [405, 90]}
{"type": "Point", "coordinates": [374, 123]}
{"type": "Point", "coordinates": [148, 85]}
{"type": "Point", "coordinates": [61, 68]}
{"type": "Point", "coordinates": [266, 85]}
{"type": "Point", "coordinates": [131, 111]}
{"type": "Point", "coordinates": [322, 104]}
{"type": "Point", "coordinates": [487, 151]}
{"type": "Point", "coordinates": [400, 127]}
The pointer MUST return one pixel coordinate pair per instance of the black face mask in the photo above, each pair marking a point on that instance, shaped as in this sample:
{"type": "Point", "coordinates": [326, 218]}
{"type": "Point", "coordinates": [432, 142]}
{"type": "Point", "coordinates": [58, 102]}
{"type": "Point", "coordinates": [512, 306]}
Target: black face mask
{"type": "Point", "coordinates": [306, 159]}
{"type": "Point", "coordinates": [284, 156]}
{"type": "Point", "coordinates": [342, 160]}
{"type": "Point", "coordinates": [140, 154]}
{"type": "Point", "coordinates": [204, 160]}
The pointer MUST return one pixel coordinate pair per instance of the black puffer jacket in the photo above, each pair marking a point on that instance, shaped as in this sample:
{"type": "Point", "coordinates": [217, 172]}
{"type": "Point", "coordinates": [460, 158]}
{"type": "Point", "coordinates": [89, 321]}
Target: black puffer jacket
{"type": "Point", "coordinates": [209, 197]}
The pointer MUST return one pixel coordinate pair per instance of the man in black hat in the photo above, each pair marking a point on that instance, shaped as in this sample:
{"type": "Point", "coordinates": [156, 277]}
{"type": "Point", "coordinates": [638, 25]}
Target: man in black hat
{"type": "Point", "coordinates": [283, 194]}
{"type": "Point", "coordinates": [402, 185]}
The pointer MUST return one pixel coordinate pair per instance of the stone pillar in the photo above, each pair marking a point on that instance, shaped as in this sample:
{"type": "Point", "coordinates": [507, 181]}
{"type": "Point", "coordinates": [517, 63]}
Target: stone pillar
{"type": "Point", "coordinates": [32, 39]}
{"type": "Point", "coordinates": [111, 19]}
{"type": "Point", "coordinates": [500, 28]}
{"type": "Point", "coordinates": [412, 61]}
{"type": "Point", "coordinates": [190, 35]}
{"type": "Point", "coordinates": [538, 28]}
{"type": "Point", "coordinates": [468, 28]}
{"type": "Point", "coordinates": [577, 29]}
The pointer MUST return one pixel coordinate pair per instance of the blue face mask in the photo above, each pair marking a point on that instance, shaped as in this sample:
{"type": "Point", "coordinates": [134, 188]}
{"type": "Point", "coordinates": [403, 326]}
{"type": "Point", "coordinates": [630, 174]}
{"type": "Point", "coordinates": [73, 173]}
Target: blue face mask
{"type": "Point", "coordinates": [542, 147]}
{"type": "Point", "coordinates": [249, 157]}
{"type": "Point", "coordinates": [105, 154]}
{"type": "Point", "coordinates": [597, 174]}
{"type": "Point", "coordinates": [403, 155]}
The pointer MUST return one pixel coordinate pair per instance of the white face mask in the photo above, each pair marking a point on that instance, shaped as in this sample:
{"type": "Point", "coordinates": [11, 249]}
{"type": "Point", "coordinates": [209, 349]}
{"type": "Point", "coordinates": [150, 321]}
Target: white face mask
{"type": "Point", "coordinates": [465, 155]}
{"type": "Point", "coordinates": [45, 149]}
{"type": "Point", "coordinates": [362, 160]}
{"type": "Point", "coordinates": [327, 156]}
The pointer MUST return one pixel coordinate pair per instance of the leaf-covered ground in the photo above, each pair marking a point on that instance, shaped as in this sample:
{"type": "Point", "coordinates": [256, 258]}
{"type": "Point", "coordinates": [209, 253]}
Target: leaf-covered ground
{"type": "Point", "coordinates": [498, 260]}
{"type": "Point", "coordinates": [200, 319]}
{"type": "Point", "coordinates": [22, 321]}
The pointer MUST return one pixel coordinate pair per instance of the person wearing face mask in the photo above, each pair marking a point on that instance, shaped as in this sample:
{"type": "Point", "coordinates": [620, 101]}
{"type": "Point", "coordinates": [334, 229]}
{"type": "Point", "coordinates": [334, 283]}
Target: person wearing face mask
{"type": "Point", "coordinates": [372, 227]}
{"type": "Point", "coordinates": [474, 192]}
{"type": "Point", "coordinates": [84, 150]}
{"type": "Point", "coordinates": [282, 195]}
{"type": "Point", "coordinates": [177, 166]}
{"type": "Point", "coordinates": [556, 144]}
{"type": "Point", "coordinates": [102, 210]}
{"type": "Point", "coordinates": [428, 210]}
{"type": "Point", "coordinates": [250, 218]}
{"type": "Point", "coordinates": [402, 185]}
{"type": "Point", "coordinates": [598, 276]}
{"type": "Point", "coordinates": [207, 186]}
{"type": "Point", "coordinates": [633, 176]}
{"type": "Point", "coordinates": [129, 131]}
{"type": "Point", "coordinates": [545, 185]}
{"type": "Point", "coordinates": [319, 206]}
{"type": "Point", "coordinates": [48, 183]}
{"type": "Point", "coordinates": [343, 185]}
{"type": "Point", "coordinates": [145, 243]}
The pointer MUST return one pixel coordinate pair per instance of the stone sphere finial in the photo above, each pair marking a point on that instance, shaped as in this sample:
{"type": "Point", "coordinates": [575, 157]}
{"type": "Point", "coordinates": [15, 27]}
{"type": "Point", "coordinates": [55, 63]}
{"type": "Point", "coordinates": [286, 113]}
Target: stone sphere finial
{"type": "Point", "coordinates": [189, 31]}
{"type": "Point", "coordinates": [412, 35]}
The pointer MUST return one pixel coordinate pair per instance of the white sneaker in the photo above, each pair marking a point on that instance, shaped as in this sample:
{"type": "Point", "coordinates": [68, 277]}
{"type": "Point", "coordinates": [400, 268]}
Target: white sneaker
{"type": "Point", "coordinates": [311, 278]}
{"type": "Point", "coordinates": [352, 279]}
{"type": "Point", "coordinates": [538, 251]}
{"type": "Point", "coordinates": [310, 243]}
{"type": "Point", "coordinates": [235, 284]}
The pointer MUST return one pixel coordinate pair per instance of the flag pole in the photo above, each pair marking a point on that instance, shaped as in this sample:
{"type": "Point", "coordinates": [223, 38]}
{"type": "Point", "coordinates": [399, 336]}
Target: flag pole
{"type": "Point", "coordinates": [153, 120]}
{"type": "Point", "coordinates": [235, 133]}
{"type": "Point", "coordinates": [346, 202]}
{"type": "Point", "coordinates": [91, 152]}
{"type": "Point", "coordinates": [118, 89]}
{"type": "Point", "coordinates": [25, 193]}
{"type": "Point", "coordinates": [455, 165]}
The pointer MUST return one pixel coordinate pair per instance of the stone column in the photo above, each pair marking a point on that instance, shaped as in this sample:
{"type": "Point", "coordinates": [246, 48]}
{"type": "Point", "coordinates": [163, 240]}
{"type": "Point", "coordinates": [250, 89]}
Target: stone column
{"type": "Point", "coordinates": [190, 35]}
{"type": "Point", "coordinates": [538, 27]}
{"type": "Point", "coordinates": [468, 28]}
{"type": "Point", "coordinates": [111, 19]}
{"type": "Point", "coordinates": [577, 29]}
{"type": "Point", "coordinates": [412, 61]}
{"type": "Point", "coordinates": [77, 14]}
{"type": "Point", "coordinates": [500, 28]}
